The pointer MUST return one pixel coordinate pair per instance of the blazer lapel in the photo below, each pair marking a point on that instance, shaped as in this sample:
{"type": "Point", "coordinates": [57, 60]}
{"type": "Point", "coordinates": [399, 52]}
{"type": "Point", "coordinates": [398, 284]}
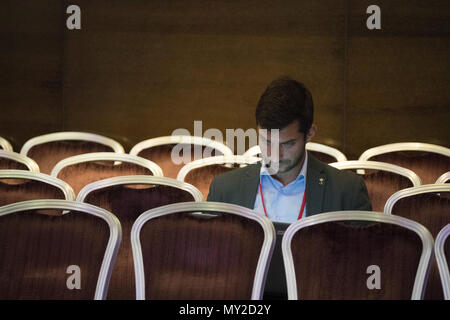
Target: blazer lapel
{"type": "Point", "coordinates": [316, 180]}
{"type": "Point", "coordinates": [249, 186]}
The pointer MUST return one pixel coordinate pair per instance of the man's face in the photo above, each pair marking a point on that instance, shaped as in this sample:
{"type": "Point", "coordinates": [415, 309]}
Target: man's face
{"type": "Point", "coordinates": [291, 147]}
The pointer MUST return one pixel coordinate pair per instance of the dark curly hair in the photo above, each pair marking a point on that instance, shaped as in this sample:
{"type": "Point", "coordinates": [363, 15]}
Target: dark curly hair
{"type": "Point", "coordinates": [284, 101]}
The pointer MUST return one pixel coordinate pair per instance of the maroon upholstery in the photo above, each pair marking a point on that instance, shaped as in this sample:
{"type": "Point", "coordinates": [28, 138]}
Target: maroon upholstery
{"type": "Point", "coordinates": [47, 155]}
{"type": "Point", "coordinates": [127, 203]}
{"type": "Point", "coordinates": [433, 211]}
{"type": "Point", "coordinates": [16, 190]}
{"type": "Point", "coordinates": [36, 250]}
{"type": "Point", "coordinates": [161, 155]}
{"type": "Point", "coordinates": [324, 157]}
{"type": "Point", "coordinates": [201, 177]}
{"type": "Point", "coordinates": [6, 163]}
{"type": "Point", "coordinates": [428, 166]}
{"type": "Point", "coordinates": [188, 257]}
{"type": "Point", "coordinates": [382, 184]}
{"type": "Point", "coordinates": [331, 261]}
{"type": "Point", "coordinates": [81, 174]}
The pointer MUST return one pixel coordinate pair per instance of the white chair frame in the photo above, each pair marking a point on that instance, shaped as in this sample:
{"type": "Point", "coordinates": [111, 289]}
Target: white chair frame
{"type": "Point", "coordinates": [5, 145]}
{"type": "Point", "coordinates": [66, 189]}
{"type": "Point", "coordinates": [30, 163]}
{"type": "Point", "coordinates": [115, 230]}
{"type": "Point", "coordinates": [311, 146]}
{"type": "Point", "coordinates": [404, 146]}
{"type": "Point", "coordinates": [443, 178]}
{"type": "Point", "coordinates": [264, 222]}
{"type": "Point", "coordinates": [425, 188]}
{"type": "Point", "coordinates": [71, 135]}
{"type": "Point", "coordinates": [375, 165]}
{"type": "Point", "coordinates": [420, 230]}
{"type": "Point", "coordinates": [139, 179]}
{"type": "Point", "coordinates": [167, 140]}
{"type": "Point", "coordinates": [107, 156]}
{"type": "Point", "coordinates": [442, 261]}
{"type": "Point", "coordinates": [241, 160]}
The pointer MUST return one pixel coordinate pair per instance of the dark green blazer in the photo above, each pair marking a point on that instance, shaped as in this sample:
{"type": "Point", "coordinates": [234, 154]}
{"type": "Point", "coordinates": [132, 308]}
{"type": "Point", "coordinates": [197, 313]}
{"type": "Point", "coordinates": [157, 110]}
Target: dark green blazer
{"type": "Point", "coordinates": [327, 188]}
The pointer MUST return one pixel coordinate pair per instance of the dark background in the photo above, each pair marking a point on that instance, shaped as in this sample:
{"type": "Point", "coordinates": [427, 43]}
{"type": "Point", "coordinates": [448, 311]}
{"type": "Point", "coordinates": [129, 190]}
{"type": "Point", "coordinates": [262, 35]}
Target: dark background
{"type": "Point", "coordinates": [140, 69]}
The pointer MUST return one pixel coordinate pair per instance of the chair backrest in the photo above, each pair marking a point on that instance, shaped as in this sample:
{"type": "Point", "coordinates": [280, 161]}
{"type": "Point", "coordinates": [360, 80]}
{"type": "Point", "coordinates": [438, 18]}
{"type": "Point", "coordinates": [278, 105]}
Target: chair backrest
{"type": "Point", "coordinates": [79, 171]}
{"type": "Point", "coordinates": [160, 150]}
{"type": "Point", "coordinates": [201, 250]}
{"type": "Point", "coordinates": [49, 149]}
{"type": "Point", "coordinates": [444, 178]}
{"type": "Point", "coordinates": [13, 160]}
{"type": "Point", "coordinates": [322, 152]}
{"type": "Point", "coordinates": [430, 206]}
{"type": "Point", "coordinates": [442, 251]}
{"type": "Point", "coordinates": [201, 172]}
{"type": "Point", "coordinates": [5, 145]}
{"type": "Point", "coordinates": [356, 255]}
{"type": "Point", "coordinates": [69, 256]}
{"type": "Point", "coordinates": [127, 197]}
{"type": "Point", "coordinates": [429, 161]}
{"type": "Point", "coordinates": [382, 179]}
{"type": "Point", "coordinates": [21, 185]}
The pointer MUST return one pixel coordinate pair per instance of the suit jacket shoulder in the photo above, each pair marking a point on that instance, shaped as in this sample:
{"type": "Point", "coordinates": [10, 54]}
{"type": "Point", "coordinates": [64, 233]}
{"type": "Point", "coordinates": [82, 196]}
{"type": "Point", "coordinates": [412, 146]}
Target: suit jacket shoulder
{"type": "Point", "coordinates": [332, 189]}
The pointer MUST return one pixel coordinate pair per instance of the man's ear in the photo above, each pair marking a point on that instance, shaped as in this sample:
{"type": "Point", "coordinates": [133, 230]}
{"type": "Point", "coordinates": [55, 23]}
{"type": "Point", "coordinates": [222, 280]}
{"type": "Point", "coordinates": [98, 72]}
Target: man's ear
{"type": "Point", "coordinates": [311, 132]}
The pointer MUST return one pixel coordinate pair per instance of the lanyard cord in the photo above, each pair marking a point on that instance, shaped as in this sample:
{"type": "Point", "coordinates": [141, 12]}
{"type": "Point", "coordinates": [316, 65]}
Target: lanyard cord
{"type": "Point", "coordinates": [302, 208]}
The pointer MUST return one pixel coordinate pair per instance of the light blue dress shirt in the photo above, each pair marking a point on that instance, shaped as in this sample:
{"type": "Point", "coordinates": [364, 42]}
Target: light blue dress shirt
{"type": "Point", "coordinates": [282, 202]}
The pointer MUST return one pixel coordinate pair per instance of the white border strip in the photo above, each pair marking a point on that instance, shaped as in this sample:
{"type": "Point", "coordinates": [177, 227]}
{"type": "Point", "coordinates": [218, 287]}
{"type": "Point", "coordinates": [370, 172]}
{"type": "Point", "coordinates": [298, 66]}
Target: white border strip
{"type": "Point", "coordinates": [420, 230]}
{"type": "Point", "coordinates": [107, 156]}
{"type": "Point", "coordinates": [115, 235]}
{"type": "Point", "coordinates": [139, 179]}
{"type": "Point", "coordinates": [265, 223]}
{"type": "Point", "coordinates": [71, 135]}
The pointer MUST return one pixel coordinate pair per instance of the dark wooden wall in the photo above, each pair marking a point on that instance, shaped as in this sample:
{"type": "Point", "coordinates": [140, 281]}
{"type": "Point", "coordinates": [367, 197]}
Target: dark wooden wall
{"type": "Point", "coordinates": [140, 69]}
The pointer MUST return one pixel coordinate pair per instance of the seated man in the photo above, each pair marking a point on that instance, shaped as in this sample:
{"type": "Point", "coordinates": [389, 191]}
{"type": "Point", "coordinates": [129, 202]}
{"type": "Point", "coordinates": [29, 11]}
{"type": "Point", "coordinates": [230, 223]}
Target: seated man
{"type": "Point", "coordinates": [300, 185]}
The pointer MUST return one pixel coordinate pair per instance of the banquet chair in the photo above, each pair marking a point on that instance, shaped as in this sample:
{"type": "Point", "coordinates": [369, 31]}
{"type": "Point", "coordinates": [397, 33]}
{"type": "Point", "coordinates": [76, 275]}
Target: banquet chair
{"type": "Point", "coordinates": [382, 179]}
{"type": "Point", "coordinates": [21, 185]}
{"type": "Point", "coordinates": [13, 160]}
{"type": "Point", "coordinates": [47, 257]}
{"type": "Point", "coordinates": [83, 169]}
{"type": "Point", "coordinates": [428, 161]}
{"type": "Point", "coordinates": [322, 152]}
{"type": "Point", "coordinates": [201, 250]}
{"type": "Point", "coordinates": [328, 257]}
{"type": "Point", "coordinates": [430, 206]}
{"type": "Point", "coordinates": [127, 197]}
{"type": "Point", "coordinates": [172, 152]}
{"type": "Point", "coordinates": [444, 178]}
{"type": "Point", "coordinates": [201, 172]}
{"type": "Point", "coordinates": [49, 149]}
{"type": "Point", "coordinates": [5, 145]}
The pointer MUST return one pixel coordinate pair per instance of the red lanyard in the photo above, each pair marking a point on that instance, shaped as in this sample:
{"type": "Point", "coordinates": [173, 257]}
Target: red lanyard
{"type": "Point", "coordinates": [302, 208]}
